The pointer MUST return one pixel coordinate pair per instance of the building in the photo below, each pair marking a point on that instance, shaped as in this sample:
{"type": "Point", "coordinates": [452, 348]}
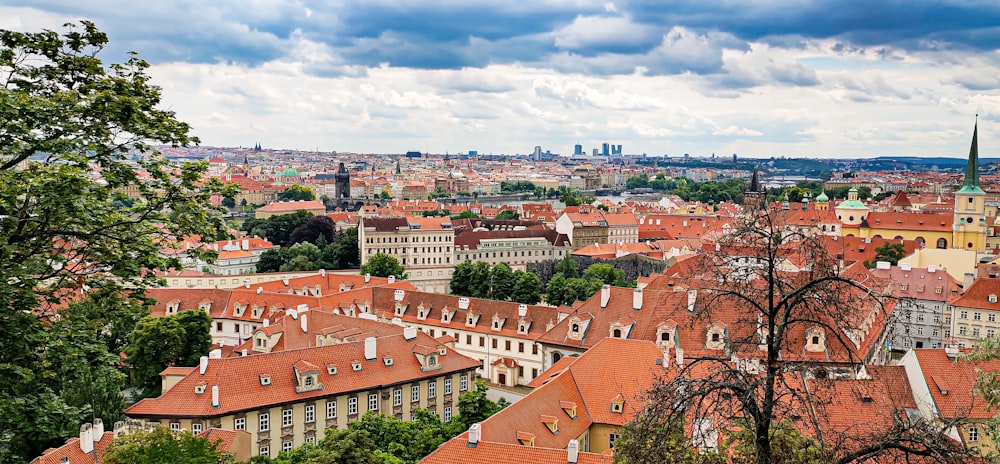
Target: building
{"type": "Point", "coordinates": [342, 183]}
{"type": "Point", "coordinates": [314, 207]}
{"type": "Point", "coordinates": [424, 246]}
{"type": "Point", "coordinates": [944, 390]}
{"type": "Point", "coordinates": [970, 205]}
{"type": "Point", "coordinates": [586, 227]}
{"type": "Point", "coordinates": [973, 315]}
{"type": "Point", "coordinates": [755, 195]}
{"type": "Point", "coordinates": [516, 247]}
{"type": "Point", "coordinates": [285, 399]}
{"type": "Point", "coordinates": [919, 320]}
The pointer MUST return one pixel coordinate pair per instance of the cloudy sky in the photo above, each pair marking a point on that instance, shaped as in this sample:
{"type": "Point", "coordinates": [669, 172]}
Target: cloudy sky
{"type": "Point", "coordinates": [824, 78]}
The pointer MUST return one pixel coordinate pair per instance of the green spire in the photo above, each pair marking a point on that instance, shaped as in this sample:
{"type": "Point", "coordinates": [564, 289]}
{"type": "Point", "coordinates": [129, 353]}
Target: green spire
{"type": "Point", "coordinates": [971, 183]}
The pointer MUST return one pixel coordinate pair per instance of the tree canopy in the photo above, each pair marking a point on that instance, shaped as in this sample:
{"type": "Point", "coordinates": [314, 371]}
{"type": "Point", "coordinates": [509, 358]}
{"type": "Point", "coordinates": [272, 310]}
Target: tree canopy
{"type": "Point", "coordinates": [479, 280]}
{"type": "Point", "coordinates": [296, 192]}
{"type": "Point", "coordinates": [77, 224]}
{"type": "Point", "coordinates": [159, 342]}
{"type": "Point", "coordinates": [163, 446]}
{"type": "Point", "coordinates": [383, 265]}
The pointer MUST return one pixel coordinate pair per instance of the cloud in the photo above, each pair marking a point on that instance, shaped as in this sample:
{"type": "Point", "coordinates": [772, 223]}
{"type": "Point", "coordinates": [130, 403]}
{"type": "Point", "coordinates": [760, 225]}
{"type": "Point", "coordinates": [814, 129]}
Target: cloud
{"type": "Point", "coordinates": [580, 94]}
{"type": "Point", "coordinates": [590, 35]}
{"type": "Point", "coordinates": [733, 131]}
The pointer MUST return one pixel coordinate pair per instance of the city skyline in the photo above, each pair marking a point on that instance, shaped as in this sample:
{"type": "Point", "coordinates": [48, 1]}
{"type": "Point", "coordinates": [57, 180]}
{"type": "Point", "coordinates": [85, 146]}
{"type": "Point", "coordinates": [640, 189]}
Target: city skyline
{"type": "Point", "coordinates": [814, 79]}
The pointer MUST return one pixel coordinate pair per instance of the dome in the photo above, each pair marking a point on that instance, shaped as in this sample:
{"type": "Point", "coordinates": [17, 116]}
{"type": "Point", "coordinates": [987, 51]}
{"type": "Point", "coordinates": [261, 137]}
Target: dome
{"type": "Point", "coordinates": [290, 172]}
{"type": "Point", "coordinates": [822, 198]}
{"type": "Point", "coordinates": [851, 204]}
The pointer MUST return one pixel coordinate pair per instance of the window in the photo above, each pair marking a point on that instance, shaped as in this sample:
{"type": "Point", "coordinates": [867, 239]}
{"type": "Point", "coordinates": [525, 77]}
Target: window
{"type": "Point", "coordinates": [397, 397]}
{"type": "Point", "coordinates": [331, 409]}
{"type": "Point", "coordinates": [494, 343]}
{"type": "Point", "coordinates": [463, 382]}
{"type": "Point", "coordinates": [240, 423]}
{"type": "Point", "coordinates": [447, 386]}
{"type": "Point", "coordinates": [415, 393]}
{"type": "Point", "coordinates": [264, 422]}
{"type": "Point", "coordinates": [286, 445]}
{"type": "Point", "coordinates": [311, 440]}
{"type": "Point", "coordinates": [962, 330]}
{"type": "Point", "coordinates": [373, 401]}
{"type": "Point", "coordinates": [506, 345]}
{"type": "Point", "coordinates": [520, 347]}
{"type": "Point", "coordinates": [991, 317]}
{"type": "Point", "coordinates": [432, 387]}
{"type": "Point", "coordinates": [264, 450]}
{"type": "Point", "coordinates": [447, 413]}
{"type": "Point", "coordinates": [196, 428]}
{"type": "Point", "coordinates": [975, 331]}
{"type": "Point", "coordinates": [612, 438]}
{"type": "Point", "coordinates": [990, 333]}
{"type": "Point", "coordinates": [482, 341]}
{"type": "Point", "coordinates": [973, 434]}
{"type": "Point", "coordinates": [218, 327]}
{"type": "Point", "coordinates": [977, 316]}
{"type": "Point", "coordinates": [175, 426]}
{"type": "Point", "coordinates": [534, 349]}
{"type": "Point", "coordinates": [920, 330]}
{"type": "Point", "coordinates": [963, 315]}
{"type": "Point", "coordinates": [286, 417]}
{"type": "Point", "coordinates": [352, 405]}
{"type": "Point", "coordinates": [310, 413]}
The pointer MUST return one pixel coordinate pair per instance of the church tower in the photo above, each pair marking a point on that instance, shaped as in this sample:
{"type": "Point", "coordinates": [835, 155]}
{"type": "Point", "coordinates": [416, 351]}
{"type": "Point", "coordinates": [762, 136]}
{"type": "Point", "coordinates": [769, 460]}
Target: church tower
{"type": "Point", "coordinates": [969, 229]}
{"type": "Point", "coordinates": [342, 183]}
{"type": "Point", "coordinates": [755, 196]}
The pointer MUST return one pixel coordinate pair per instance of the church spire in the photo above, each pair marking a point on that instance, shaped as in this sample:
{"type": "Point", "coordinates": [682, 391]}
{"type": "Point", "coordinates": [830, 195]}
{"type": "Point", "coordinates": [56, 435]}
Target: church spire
{"type": "Point", "coordinates": [754, 181]}
{"type": "Point", "coordinates": [971, 182]}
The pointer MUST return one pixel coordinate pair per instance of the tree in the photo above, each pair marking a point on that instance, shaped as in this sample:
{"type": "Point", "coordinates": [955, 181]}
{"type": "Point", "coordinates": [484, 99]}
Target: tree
{"type": "Point", "coordinates": [568, 267]}
{"type": "Point", "coordinates": [527, 289]}
{"type": "Point", "coordinates": [163, 446]}
{"type": "Point", "coordinates": [606, 274]}
{"type": "Point", "coordinates": [383, 265]}
{"type": "Point", "coordinates": [475, 407]}
{"type": "Point", "coordinates": [502, 281]}
{"type": "Point", "coordinates": [988, 386]}
{"type": "Point", "coordinates": [890, 252]}
{"type": "Point", "coordinates": [296, 192]}
{"type": "Point", "coordinates": [555, 292]}
{"type": "Point", "coordinates": [160, 342]}
{"type": "Point", "coordinates": [313, 229]}
{"type": "Point", "coordinates": [757, 382]}
{"type": "Point", "coordinates": [277, 229]}
{"type": "Point", "coordinates": [479, 280]}
{"type": "Point", "coordinates": [460, 279]}
{"type": "Point", "coordinates": [508, 214]}
{"type": "Point", "coordinates": [76, 132]}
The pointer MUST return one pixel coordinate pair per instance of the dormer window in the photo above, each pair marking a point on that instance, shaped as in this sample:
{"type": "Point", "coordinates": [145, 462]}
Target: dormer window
{"type": "Point", "coordinates": [308, 381]}
{"type": "Point", "coordinates": [569, 408]}
{"type": "Point", "coordinates": [432, 361]}
{"type": "Point", "coordinates": [442, 350]}
{"type": "Point", "coordinates": [265, 379]}
{"type": "Point", "coordinates": [716, 336]}
{"type": "Point", "coordinates": [522, 327]}
{"type": "Point", "coordinates": [618, 404]}
{"type": "Point", "coordinates": [815, 340]}
{"type": "Point", "coordinates": [387, 360]}
{"type": "Point", "coordinates": [173, 306]}
{"type": "Point", "coordinates": [992, 298]}
{"type": "Point", "coordinates": [551, 423]}
{"type": "Point", "coordinates": [356, 365]}
{"type": "Point", "coordinates": [446, 316]}
{"type": "Point", "coordinates": [331, 369]}
{"type": "Point", "coordinates": [400, 309]}
{"type": "Point", "coordinates": [200, 387]}
{"type": "Point", "coordinates": [526, 438]}
{"type": "Point", "coordinates": [257, 311]}
{"type": "Point", "coordinates": [421, 312]}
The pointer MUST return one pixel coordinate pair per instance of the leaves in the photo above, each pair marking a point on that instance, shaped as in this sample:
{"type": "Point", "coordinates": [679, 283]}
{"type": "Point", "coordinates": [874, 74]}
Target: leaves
{"type": "Point", "coordinates": [383, 265]}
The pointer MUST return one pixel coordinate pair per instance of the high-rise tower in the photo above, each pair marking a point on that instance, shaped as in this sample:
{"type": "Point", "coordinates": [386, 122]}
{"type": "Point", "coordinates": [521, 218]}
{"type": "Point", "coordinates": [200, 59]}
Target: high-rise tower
{"type": "Point", "coordinates": [969, 226]}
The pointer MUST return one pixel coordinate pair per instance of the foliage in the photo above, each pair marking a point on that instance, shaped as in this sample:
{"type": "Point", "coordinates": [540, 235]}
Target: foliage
{"type": "Point", "coordinates": [988, 386]}
{"type": "Point", "coordinates": [705, 192]}
{"type": "Point", "coordinates": [634, 266]}
{"type": "Point", "coordinates": [474, 406]}
{"type": "Point", "coordinates": [466, 215]}
{"type": "Point", "coordinates": [517, 187]}
{"type": "Point", "coordinates": [565, 287]}
{"type": "Point", "coordinates": [508, 214]}
{"type": "Point", "coordinates": [296, 192]}
{"type": "Point", "coordinates": [277, 229]}
{"type": "Point", "coordinates": [76, 132]}
{"type": "Point", "coordinates": [478, 280]}
{"type": "Point", "coordinates": [384, 195]}
{"type": "Point", "coordinates": [313, 229]}
{"type": "Point", "coordinates": [341, 253]}
{"type": "Point", "coordinates": [606, 274]}
{"type": "Point", "coordinates": [568, 267]}
{"type": "Point", "coordinates": [438, 192]}
{"type": "Point", "coordinates": [159, 342]}
{"type": "Point", "coordinates": [383, 265]}
{"type": "Point", "coordinates": [890, 252]}
{"type": "Point", "coordinates": [161, 446]}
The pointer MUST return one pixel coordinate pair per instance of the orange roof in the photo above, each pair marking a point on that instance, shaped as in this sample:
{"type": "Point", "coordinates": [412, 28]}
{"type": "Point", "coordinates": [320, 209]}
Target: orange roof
{"type": "Point", "coordinates": [931, 222]}
{"type": "Point", "coordinates": [978, 294]}
{"type": "Point", "coordinates": [458, 451]}
{"type": "Point", "coordinates": [952, 384]}
{"type": "Point", "coordinates": [240, 387]}
{"type": "Point", "coordinates": [71, 451]}
{"type": "Point", "coordinates": [292, 206]}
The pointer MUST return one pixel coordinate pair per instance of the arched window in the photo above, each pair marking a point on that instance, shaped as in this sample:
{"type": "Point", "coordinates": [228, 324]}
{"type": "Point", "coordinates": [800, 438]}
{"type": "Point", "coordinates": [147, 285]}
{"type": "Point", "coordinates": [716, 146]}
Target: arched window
{"type": "Point", "coordinates": [942, 243]}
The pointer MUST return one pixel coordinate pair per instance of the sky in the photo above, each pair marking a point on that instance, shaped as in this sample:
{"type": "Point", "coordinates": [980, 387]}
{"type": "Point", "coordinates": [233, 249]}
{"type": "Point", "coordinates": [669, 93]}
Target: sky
{"type": "Point", "coordinates": [759, 78]}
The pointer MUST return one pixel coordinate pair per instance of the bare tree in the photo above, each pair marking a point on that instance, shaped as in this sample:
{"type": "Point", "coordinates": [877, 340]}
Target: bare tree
{"type": "Point", "coordinates": [776, 328]}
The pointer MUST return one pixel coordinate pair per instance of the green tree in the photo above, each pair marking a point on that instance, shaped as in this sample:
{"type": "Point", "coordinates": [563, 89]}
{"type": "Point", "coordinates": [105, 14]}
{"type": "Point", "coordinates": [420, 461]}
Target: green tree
{"type": "Point", "coordinates": [527, 289]}
{"type": "Point", "coordinates": [160, 342]}
{"type": "Point", "coordinates": [296, 192]}
{"type": "Point", "coordinates": [556, 292]}
{"type": "Point", "coordinates": [162, 446]}
{"type": "Point", "coordinates": [890, 252]}
{"type": "Point", "coordinates": [568, 267]}
{"type": "Point", "coordinates": [277, 229]}
{"type": "Point", "coordinates": [479, 280]}
{"type": "Point", "coordinates": [474, 406]}
{"type": "Point", "coordinates": [383, 265]}
{"type": "Point", "coordinates": [314, 228]}
{"type": "Point", "coordinates": [508, 214]}
{"type": "Point", "coordinates": [606, 274]}
{"type": "Point", "coordinates": [502, 281]}
{"type": "Point", "coordinates": [75, 132]}
{"type": "Point", "coordinates": [460, 279]}
{"type": "Point", "coordinates": [384, 195]}
{"type": "Point", "coordinates": [988, 387]}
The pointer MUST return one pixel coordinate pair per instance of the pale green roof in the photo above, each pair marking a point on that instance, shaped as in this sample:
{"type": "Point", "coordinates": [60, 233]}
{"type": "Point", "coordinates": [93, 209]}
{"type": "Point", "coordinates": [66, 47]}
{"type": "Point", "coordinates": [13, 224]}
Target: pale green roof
{"type": "Point", "coordinates": [851, 204]}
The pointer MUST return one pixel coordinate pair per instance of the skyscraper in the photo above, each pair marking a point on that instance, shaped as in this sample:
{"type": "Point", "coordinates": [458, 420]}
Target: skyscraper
{"type": "Point", "coordinates": [578, 149]}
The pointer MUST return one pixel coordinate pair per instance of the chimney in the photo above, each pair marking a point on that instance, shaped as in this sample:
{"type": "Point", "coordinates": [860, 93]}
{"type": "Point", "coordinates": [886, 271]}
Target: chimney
{"type": "Point", "coordinates": [267, 322]}
{"type": "Point", "coordinates": [522, 310]}
{"type": "Point", "coordinates": [605, 295]}
{"type": "Point", "coordinates": [392, 280]}
{"type": "Point", "coordinates": [398, 295]}
{"type": "Point", "coordinates": [475, 430]}
{"type": "Point", "coordinates": [370, 348]}
{"type": "Point", "coordinates": [573, 451]}
{"type": "Point", "coordinates": [244, 352]}
{"type": "Point", "coordinates": [692, 298]}
{"type": "Point", "coordinates": [245, 244]}
{"type": "Point", "coordinates": [680, 357]}
{"type": "Point", "coordinates": [203, 366]}
{"type": "Point", "coordinates": [215, 354]}
{"type": "Point", "coordinates": [396, 321]}
{"type": "Point", "coordinates": [86, 438]}
{"type": "Point", "coordinates": [215, 396]}
{"type": "Point", "coordinates": [368, 278]}
{"type": "Point", "coordinates": [882, 265]}
{"type": "Point", "coordinates": [637, 299]}
{"type": "Point", "coordinates": [260, 290]}
{"type": "Point", "coordinates": [292, 312]}
{"type": "Point", "coordinates": [322, 272]}
{"type": "Point", "coordinates": [931, 268]}
{"type": "Point", "coordinates": [98, 429]}
{"type": "Point", "coordinates": [304, 324]}
{"type": "Point", "coordinates": [284, 280]}
{"type": "Point", "coordinates": [409, 333]}
{"type": "Point", "coordinates": [246, 284]}
{"type": "Point", "coordinates": [905, 266]}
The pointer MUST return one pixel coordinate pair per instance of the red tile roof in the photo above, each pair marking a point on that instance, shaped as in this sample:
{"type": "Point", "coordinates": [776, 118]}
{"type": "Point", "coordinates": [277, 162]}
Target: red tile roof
{"type": "Point", "coordinates": [458, 451]}
{"type": "Point", "coordinates": [71, 450]}
{"type": "Point", "coordinates": [952, 384]}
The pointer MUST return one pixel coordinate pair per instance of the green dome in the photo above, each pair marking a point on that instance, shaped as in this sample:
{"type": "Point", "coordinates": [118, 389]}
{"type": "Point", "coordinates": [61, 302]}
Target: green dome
{"type": "Point", "coordinates": [290, 172]}
{"type": "Point", "coordinates": [851, 204]}
{"type": "Point", "coordinates": [822, 198]}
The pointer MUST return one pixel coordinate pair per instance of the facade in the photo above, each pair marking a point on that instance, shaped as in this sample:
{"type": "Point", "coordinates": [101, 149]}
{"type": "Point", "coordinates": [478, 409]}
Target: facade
{"type": "Point", "coordinates": [285, 399]}
{"type": "Point", "coordinates": [970, 205]}
{"type": "Point", "coordinates": [584, 228]}
{"type": "Point", "coordinates": [424, 246]}
{"type": "Point", "coordinates": [974, 315]}
{"type": "Point", "coordinates": [922, 315]}
{"type": "Point", "coordinates": [314, 207]}
{"type": "Point", "coordinates": [516, 248]}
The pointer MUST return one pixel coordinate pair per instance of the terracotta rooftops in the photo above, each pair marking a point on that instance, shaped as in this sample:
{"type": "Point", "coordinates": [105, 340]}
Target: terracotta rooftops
{"type": "Point", "coordinates": [292, 206]}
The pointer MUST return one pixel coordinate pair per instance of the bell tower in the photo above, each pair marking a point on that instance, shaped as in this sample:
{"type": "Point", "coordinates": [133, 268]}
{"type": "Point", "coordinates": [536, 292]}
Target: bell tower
{"type": "Point", "coordinates": [969, 226]}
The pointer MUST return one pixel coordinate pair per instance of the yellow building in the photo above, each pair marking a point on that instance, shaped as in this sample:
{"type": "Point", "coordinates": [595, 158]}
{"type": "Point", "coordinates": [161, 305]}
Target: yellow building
{"type": "Point", "coordinates": [970, 205]}
{"type": "Point", "coordinates": [288, 398]}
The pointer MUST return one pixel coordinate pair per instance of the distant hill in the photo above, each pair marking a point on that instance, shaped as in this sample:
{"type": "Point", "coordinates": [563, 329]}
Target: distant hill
{"type": "Point", "coordinates": [915, 163]}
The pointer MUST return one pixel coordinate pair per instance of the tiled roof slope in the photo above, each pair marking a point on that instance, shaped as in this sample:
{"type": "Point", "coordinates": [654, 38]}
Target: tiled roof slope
{"type": "Point", "coordinates": [71, 451]}
{"type": "Point", "coordinates": [978, 294]}
{"type": "Point", "coordinates": [952, 383]}
{"type": "Point", "coordinates": [458, 451]}
{"type": "Point", "coordinates": [240, 387]}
